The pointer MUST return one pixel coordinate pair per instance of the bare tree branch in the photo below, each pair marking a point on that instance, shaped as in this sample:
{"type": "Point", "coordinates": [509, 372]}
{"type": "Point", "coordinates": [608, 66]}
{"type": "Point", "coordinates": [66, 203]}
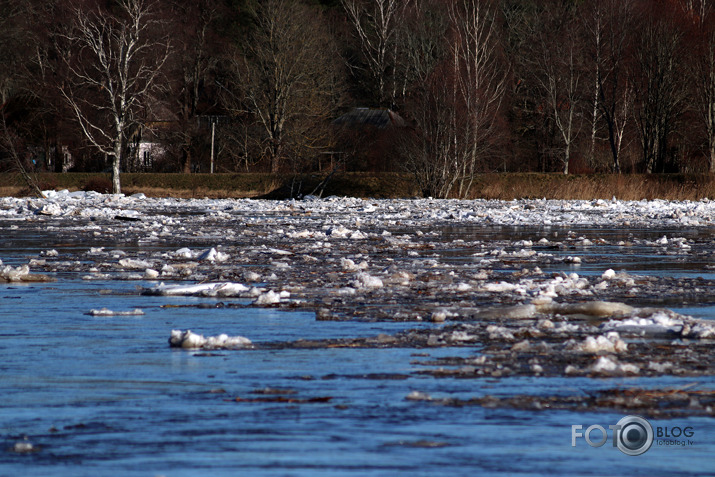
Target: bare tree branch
{"type": "Point", "coordinates": [113, 68]}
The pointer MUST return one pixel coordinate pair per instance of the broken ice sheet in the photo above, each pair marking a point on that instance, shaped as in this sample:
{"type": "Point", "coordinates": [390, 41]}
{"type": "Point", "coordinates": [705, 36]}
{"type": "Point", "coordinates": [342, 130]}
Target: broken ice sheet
{"type": "Point", "coordinates": [224, 289]}
{"type": "Point", "coordinates": [400, 244]}
{"type": "Point", "coordinates": [190, 340]}
{"type": "Point", "coordinates": [21, 274]}
{"type": "Point", "coordinates": [107, 312]}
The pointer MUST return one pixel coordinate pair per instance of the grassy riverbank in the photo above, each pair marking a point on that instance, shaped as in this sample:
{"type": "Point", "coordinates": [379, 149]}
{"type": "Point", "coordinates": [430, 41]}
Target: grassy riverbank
{"type": "Point", "coordinates": [387, 185]}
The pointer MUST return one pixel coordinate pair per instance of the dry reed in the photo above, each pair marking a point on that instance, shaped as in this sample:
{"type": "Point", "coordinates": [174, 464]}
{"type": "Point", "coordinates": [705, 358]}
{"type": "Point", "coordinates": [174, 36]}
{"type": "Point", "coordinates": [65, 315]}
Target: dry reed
{"type": "Point", "coordinates": [506, 186]}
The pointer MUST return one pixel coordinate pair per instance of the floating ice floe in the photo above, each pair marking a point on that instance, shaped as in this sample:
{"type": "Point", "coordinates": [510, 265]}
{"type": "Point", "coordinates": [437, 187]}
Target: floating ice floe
{"type": "Point", "coordinates": [409, 212]}
{"type": "Point", "coordinates": [24, 447]}
{"type": "Point", "coordinates": [212, 255]}
{"type": "Point", "coordinates": [190, 340]}
{"type": "Point", "coordinates": [701, 330]}
{"type": "Point", "coordinates": [223, 289]}
{"type": "Point", "coordinates": [514, 312]}
{"type": "Point", "coordinates": [184, 253]}
{"type": "Point", "coordinates": [342, 232]}
{"type": "Point", "coordinates": [50, 209]}
{"type": "Point", "coordinates": [608, 274]}
{"type": "Point", "coordinates": [659, 323]}
{"type": "Point", "coordinates": [12, 274]}
{"type": "Point", "coordinates": [418, 396]}
{"type": "Point", "coordinates": [277, 251]}
{"type": "Point", "coordinates": [609, 365]}
{"type": "Point", "coordinates": [499, 333]}
{"type": "Point", "coordinates": [610, 343]}
{"type": "Point", "coordinates": [590, 308]}
{"type": "Point", "coordinates": [271, 298]}
{"type": "Point", "coordinates": [107, 312]}
{"type": "Point", "coordinates": [544, 305]}
{"type": "Point", "coordinates": [21, 274]}
{"type": "Point", "coordinates": [134, 264]}
{"type": "Point", "coordinates": [441, 314]}
{"type": "Point", "coordinates": [502, 287]}
{"type": "Point", "coordinates": [349, 265]}
{"type": "Point", "coordinates": [365, 280]}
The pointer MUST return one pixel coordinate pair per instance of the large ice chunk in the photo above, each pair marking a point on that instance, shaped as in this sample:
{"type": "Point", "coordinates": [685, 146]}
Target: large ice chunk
{"type": "Point", "coordinates": [190, 340]}
{"type": "Point", "coordinates": [222, 289]}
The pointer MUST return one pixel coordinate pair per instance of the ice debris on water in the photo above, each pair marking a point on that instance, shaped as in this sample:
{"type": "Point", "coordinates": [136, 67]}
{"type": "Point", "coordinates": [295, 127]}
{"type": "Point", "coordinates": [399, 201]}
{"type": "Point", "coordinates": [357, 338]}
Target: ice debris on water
{"type": "Point", "coordinates": [184, 253]}
{"type": "Point", "coordinates": [211, 255]}
{"type": "Point", "coordinates": [609, 365]}
{"type": "Point", "coordinates": [609, 343]}
{"type": "Point", "coordinates": [589, 308]}
{"type": "Point", "coordinates": [523, 212]}
{"type": "Point", "coordinates": [271, 298]}
{"type": "Point", "coordinates": [365, 280]}
{"type": "Point", "coordinates": [108, 312]}
{"type": "Point", "coordinates": [22, 273]}
{"type": "Point", "coordinates": [134, 264]}
{"type": "Point", "coordinates": [24, 447]}
{"type": "Point", "coordinates": [14, 274]}
{"type": "Point", "coordinates": [190, 340]}
{"type": "Point", "coordinates": [391, 252]}
{"type": "Point", "coordinates": [223, 289]}
{"type": "Point", "coordinates": [439, 316]}
{"type": "Point", "coordinates": [608, 274]}
{"type": "Point", "coordinates": [418, 396]}
{"type": "Point", "coordinates": [661, 323]}
{"type": "Point", "coordinates": [350, 265]}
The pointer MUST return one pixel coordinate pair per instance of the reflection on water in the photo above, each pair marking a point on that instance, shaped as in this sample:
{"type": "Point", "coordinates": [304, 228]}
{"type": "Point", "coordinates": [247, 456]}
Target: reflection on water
{"type": "Point", "coordinates": [107, 396]}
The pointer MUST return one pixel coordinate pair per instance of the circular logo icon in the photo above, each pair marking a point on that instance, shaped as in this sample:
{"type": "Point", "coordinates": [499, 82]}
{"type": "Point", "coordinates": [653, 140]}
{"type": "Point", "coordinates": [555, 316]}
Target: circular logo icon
{"type": "Point", "coordinates": [634, 436]}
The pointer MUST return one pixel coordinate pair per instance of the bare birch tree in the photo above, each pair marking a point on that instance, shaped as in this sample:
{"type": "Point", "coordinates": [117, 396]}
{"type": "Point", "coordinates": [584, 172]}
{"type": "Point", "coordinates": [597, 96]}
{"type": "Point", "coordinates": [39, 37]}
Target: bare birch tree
{"type": "Point", "coordinates": [558, 72]}
{"type": "Point", "coordinates": [457, 114]}
{"type": "Point", "coordinates": [286, 78]}
{"type": "Point", "coordinates": [594, 27]}
{"type": "Point", "coordinates": [703, 14]}
{"type": "Point", "coordinates": [611, 27]}
{"type": "Point", "coordinates": [15, 55]}
{"type": "Point", "coordinates": [706, 91]}
{"type": "Point", "coordinates": [658, 89]}
{"type": "Point", "coordinates": [376, 23]}
{"type": "Point", "coordinates": [191, 64]}
{"type": "Point", "coordinates": [113, 64]}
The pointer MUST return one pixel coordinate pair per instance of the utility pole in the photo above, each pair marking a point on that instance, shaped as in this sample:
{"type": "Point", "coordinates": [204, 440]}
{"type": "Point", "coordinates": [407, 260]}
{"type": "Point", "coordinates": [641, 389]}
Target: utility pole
{"type": "Point", "coordinates": [213, 136]}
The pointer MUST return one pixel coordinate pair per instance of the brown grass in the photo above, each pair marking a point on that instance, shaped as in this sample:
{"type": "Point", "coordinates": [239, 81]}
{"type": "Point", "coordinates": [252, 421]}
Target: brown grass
{"type": "Point", "coordinates": [387, 185]}
{"type": "Point", "coordinates": [597, 186]}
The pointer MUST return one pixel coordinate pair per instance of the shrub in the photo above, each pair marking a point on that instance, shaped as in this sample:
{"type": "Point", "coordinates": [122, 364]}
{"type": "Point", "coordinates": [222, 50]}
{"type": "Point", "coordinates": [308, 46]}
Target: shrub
{"type": "Point", "coordinates": [98, 184]}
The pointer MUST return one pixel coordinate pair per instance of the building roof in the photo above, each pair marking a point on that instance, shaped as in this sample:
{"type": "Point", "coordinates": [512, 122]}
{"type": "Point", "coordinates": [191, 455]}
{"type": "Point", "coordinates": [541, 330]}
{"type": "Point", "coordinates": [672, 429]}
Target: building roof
{"type": "Point", "coordinates": [379, 118]}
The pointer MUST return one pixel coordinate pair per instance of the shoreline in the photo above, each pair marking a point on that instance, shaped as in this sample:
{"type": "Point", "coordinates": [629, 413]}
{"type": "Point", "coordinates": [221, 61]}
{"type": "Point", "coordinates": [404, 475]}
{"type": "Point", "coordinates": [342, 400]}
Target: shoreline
{"type": "Point", "coordinates": [493, 186]}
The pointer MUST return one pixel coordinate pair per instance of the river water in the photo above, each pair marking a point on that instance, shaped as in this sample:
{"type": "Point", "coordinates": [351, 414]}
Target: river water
{"type": "Point", "coordinates": [107, 396]}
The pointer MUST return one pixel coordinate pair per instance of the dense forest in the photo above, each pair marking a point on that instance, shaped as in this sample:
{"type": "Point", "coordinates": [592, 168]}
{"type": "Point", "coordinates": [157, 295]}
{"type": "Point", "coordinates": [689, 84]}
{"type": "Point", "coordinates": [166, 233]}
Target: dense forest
{"type": "Point", "coordinates": [442, 89]}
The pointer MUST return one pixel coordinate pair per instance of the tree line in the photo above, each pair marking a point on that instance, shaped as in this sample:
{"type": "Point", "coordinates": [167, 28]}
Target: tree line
{"type": "Point", "coordinates": [468, 86]}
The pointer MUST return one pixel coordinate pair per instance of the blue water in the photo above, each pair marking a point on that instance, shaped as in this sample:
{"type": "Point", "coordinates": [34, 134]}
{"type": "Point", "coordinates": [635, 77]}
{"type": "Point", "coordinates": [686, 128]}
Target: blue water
{"type": "Point", "coordinates": [106, 396]}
